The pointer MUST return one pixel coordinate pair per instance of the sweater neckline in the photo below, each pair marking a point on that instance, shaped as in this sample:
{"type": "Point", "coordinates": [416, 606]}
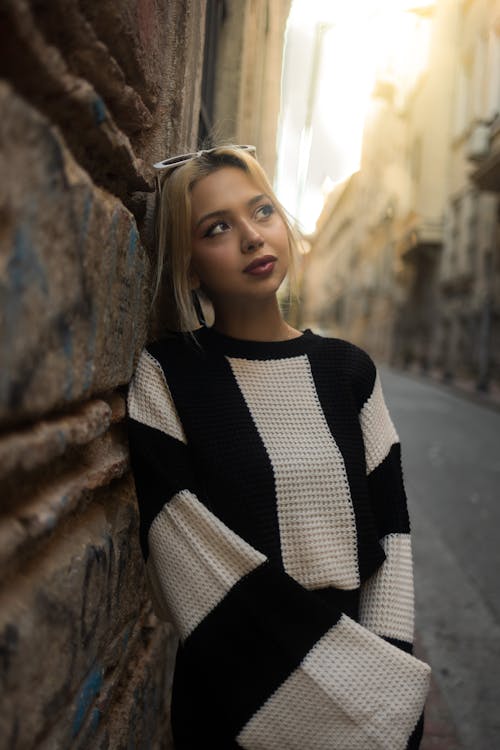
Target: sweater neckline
{"type": "Point", "coordinates": [213, 340]}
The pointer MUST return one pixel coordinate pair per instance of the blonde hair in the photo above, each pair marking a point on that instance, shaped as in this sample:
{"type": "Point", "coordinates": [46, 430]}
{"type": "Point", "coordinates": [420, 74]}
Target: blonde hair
{"type": "Point", "coordinates": [173, 224]}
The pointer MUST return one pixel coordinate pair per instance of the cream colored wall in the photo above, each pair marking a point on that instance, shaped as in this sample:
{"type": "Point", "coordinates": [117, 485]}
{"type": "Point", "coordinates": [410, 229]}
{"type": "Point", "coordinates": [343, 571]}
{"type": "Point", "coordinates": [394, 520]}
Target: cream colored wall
{"type": "Point", "coordinates": [351, 287]}
{"type": "Point", "coordinates": [249, 75]}
{"type": "Point", "coordinates": [470, 269]}
{"type": "Point", "coordinates": [417, 306]}
{"type": "Point", "coordinates": [430, 114]}
{"type": "Point", "coordinates": [479, 22]}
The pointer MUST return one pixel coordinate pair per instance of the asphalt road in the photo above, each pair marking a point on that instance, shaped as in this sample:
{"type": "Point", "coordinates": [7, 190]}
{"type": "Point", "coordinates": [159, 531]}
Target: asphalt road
{"type": "Point", "coordinates": [451, 466]}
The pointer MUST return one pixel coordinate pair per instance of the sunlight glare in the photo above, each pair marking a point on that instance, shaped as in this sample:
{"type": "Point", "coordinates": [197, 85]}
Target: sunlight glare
{"type": "Point", "coordinates": [362, 41]}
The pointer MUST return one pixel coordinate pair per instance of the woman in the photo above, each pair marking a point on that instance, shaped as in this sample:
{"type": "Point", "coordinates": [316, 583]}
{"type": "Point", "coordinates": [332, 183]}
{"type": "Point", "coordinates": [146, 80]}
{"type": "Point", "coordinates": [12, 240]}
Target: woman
{"type": "Point", "coordinates": [273, 514]}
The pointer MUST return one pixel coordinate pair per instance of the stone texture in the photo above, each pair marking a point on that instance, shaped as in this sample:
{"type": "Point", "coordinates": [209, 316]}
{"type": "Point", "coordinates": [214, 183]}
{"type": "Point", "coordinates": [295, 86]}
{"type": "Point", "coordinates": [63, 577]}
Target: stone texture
{"type": "Point", "coordinates": [66, 26]}
{"type": "Point", "coordinates": [40, 73]}
{"type": "Point", "coordinates": [91, 93]}
{"type": "Point", "coordinates": [27, 449]}
{"type": "Point", "coordinates": [141, 716]}
{"type": "Point", "coordinates": [74, 296]}
{"type": "Point", "coordinates": [49, 495]}
{"type": "Point", "coordinates": [61, 613]}
{"type": "Point", "coordinates": [119, 70]}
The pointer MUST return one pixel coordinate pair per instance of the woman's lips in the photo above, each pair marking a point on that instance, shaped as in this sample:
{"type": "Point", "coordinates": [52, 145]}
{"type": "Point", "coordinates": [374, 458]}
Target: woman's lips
{"type": "Point", "coordinates": [262, 269]}
{"type": "Point", "coordinates": [261, 266]}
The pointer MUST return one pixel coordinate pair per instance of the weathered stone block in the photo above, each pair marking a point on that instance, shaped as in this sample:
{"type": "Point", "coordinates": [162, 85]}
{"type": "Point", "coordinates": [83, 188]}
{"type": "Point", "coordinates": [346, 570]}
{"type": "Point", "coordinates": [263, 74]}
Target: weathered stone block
{"type": "Point", "coordinates": [91, 92]}
{"type": "Point", "coordinates": [137, 713]}
{"type": "Point", "coordinates": [32, 447]}
{"type": "Point", "coordinates": [62, 613]}
{"type": "Point", "coordinates": [74, 274]}
{"type": "Point", "coordinates": [66, 27]}
{"type": "Point", "coordinates": [144, 37]}
{"type": "Point", "coordinates": [159, 46]}
{"type": "Point", "coordinates": [39, 72]}
{"type": "Point", "coordinates": [35, 504]}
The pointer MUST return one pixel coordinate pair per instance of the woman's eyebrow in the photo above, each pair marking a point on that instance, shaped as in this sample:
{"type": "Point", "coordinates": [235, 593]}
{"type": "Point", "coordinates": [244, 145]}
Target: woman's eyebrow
{"type": "Point", "coordinates": [257, 198]}
{"type": "Point", "coordinates": [225, 211]}
{"type": "Point", "coordinates": [211, 215]}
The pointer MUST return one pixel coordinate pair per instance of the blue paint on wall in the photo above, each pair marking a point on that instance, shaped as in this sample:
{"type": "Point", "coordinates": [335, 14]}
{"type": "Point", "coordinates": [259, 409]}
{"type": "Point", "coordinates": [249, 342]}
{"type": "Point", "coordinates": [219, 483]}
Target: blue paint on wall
{"type": "Point", "coordinates": [132, 243]}
{"type": "Point", "coordinates": [126, 637]}
{"type": "Point", "coordinates": [88, 691]}
{"type": "Point", "coordinates": [61, 439]}
{"type": "Point", "coordinates": [67, 341]}
{"type": "Point", "coordinates": [88, 368]}
{"type": "Point", "coordinates": [63, 500]}
{"type": "Point", "coordinates": [24, 268]}
{"type": "Point", "coordinates": [24, 274]}
{"type": "Point", "coordinates": [99, 110]}
{"type": "Point", "coordinates": [95, 718]}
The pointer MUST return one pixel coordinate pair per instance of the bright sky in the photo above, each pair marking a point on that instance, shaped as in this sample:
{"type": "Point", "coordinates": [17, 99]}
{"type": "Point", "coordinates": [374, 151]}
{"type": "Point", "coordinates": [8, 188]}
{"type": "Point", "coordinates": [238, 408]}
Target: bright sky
{"type": "Point", "coordinates": [321, 127]}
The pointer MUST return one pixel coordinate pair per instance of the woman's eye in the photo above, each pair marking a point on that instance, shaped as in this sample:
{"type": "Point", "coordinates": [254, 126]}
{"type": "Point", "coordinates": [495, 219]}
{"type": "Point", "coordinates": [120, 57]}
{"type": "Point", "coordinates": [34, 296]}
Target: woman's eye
{"type": "Point", "coordinates": [217, 228]}
{"type": "Point", "coordinates": [263, 212]}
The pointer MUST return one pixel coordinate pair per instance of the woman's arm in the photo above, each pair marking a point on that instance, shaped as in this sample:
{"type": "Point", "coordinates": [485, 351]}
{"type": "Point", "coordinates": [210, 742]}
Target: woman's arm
{"type": "Point", "coordinates": [387, 597]}
{"type": "Point", "coordinates": [387, 601]}
{"type": "Point", "coordinates": [257, 648]}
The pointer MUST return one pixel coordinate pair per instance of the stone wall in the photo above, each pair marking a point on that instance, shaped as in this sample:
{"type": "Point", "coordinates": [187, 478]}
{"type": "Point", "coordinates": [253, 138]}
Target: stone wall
{"type": "Point", "coordinates": [91, 92]}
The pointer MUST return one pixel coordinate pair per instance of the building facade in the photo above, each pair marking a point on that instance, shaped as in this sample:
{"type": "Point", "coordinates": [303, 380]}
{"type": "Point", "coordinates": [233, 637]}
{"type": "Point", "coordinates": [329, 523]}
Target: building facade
{"type": "Point", "coordinates": [248, 70]}
{"type": "Point", "coordinates": [422, 248]}
{"type": "Point", "coordinates": [468, 334]}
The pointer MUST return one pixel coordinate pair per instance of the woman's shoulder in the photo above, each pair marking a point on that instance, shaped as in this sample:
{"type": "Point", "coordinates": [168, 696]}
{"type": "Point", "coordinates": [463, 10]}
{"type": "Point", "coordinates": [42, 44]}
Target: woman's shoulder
{"type": "Point", "coordinates": [173, 344]}
{"type": "Point", "coordinates": [354, 356]}
{"type": "Point", "coordinates": [354, 361]}
{"type": "Point", "coordinates": [155, 360]}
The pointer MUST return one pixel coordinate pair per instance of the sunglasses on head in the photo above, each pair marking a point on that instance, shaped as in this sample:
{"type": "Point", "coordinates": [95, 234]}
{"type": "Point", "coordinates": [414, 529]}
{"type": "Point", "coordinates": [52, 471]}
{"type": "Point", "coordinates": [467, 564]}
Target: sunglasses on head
{"type": "Point", "coordinates": [176, 161]}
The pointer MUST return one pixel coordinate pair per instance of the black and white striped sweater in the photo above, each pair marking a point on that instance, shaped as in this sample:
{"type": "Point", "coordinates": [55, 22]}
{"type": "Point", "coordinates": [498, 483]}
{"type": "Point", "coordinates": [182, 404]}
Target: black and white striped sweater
{"type": "Point", "coordinates": [276, 536]}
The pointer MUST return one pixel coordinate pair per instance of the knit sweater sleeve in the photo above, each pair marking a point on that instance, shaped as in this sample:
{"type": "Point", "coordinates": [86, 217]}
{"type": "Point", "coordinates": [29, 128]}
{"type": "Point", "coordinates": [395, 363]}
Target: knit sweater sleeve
{"type": "Point", "coordinates": [282, 668]}
{"type": "Point", "coordinates": [387, 599]}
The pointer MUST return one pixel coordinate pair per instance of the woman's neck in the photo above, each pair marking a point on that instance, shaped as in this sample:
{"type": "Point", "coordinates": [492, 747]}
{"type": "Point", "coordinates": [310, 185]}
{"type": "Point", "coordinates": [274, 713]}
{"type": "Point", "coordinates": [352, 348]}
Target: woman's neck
{"type": "Point", "coordinates": [260, 322]}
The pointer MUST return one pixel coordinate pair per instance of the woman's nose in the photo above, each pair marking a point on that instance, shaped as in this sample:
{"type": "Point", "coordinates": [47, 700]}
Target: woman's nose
{"type": "Point", "coordinates": [251, 240]}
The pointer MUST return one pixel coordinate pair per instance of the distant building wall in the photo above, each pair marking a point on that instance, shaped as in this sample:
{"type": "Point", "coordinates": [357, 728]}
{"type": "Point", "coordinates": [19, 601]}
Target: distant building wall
{"type": "Point", "coordinates": [351, 284]}
{"type": "Point", "coordinates": [406, 257]}
{"type": "Point", "coordinates": [247, 99]}
{"type": "Point", "coordinates": [90, 94]}
{"type": "Point", "coordinates": [421, 237]}
{"type": "Point", "coordinates": [468, 331]}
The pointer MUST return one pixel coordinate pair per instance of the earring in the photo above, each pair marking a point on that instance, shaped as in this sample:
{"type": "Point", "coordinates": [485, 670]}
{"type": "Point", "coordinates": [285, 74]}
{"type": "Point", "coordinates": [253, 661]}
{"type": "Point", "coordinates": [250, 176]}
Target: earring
{"type": "Point", "coordinates": [198, 308]}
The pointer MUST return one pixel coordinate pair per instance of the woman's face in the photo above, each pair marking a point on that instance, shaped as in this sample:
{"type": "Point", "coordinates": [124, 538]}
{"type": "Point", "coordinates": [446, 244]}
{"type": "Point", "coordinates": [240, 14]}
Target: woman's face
{"type": "Point", "coordinates": [240, 246]}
